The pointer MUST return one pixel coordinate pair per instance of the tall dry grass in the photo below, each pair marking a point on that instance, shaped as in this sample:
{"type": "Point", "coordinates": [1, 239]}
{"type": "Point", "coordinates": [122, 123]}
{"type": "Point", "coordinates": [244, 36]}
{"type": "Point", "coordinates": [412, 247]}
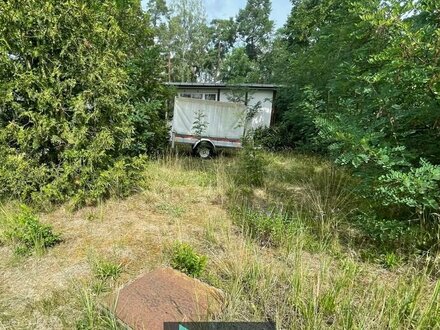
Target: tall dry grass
{"type": "Point", "coordinates": [302, 290]}
{"type": "Point", "coordinates": [292, 269]}
{"type": "Point", "coordinates": [275, 253]}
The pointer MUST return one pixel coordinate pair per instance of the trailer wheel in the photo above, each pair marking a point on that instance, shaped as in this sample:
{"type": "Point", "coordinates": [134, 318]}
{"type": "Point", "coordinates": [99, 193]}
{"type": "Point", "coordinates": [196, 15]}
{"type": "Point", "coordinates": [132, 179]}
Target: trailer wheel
{"type": "Point", "coordinates": [204, 150]}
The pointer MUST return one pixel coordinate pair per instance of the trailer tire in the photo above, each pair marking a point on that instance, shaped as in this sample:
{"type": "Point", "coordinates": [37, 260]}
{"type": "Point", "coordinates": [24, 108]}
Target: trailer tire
{"type": "Point", "coordinates": [204, 150]}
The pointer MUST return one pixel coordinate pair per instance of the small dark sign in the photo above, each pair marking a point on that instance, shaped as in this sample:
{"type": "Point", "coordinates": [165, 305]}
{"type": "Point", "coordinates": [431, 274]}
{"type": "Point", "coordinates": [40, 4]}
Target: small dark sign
{"type": "Point", "coordinates": [219, 326]}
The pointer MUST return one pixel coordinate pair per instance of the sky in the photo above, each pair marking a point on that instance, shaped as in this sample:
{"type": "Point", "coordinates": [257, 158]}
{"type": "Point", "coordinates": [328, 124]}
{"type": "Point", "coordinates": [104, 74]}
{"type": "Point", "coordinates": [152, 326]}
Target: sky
{"type": "Point", "coordinates": [230, 8]}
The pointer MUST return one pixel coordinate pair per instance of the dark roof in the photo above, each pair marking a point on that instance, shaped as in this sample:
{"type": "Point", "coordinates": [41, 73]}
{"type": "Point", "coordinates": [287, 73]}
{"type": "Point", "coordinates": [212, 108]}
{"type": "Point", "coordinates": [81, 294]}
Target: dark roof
{"type": "Point", "coordinates": [221, 85]}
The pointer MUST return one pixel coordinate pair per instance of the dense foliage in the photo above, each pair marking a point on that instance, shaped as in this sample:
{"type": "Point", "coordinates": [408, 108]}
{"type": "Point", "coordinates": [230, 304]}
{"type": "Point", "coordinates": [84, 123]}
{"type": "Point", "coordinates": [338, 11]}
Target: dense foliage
{"type": "Point", "coordinates": [236, 50]}
{"type": "Point", "coordinates": [363, 85]}
{"type": "Point", "coordinates": [73, 90]}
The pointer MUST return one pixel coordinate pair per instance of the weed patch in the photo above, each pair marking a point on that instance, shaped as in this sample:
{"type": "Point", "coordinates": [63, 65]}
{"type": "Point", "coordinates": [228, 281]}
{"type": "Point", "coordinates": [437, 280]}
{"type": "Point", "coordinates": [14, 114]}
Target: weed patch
{"type": "Point", "coordinates": [107, 270]}
{"type": "Point", "coordinates": [269, 228]}
{"type": "Point", "coordinates": [325, 199]}
{"type": "Point", "coordinates": [269, 257]}
{"type": "Point", "coordinates": [185, 259]}
{"type": "Point", "coordinates": [302, 291]}
{"type": "Point", "coordinates": [250, 168]}
{"type": "Point", "coordinates": [25, 231]}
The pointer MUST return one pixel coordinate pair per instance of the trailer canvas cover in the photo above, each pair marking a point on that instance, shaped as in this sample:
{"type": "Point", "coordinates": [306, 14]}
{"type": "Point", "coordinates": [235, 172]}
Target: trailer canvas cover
{"type": "Point", "coordinates": [224, 121]}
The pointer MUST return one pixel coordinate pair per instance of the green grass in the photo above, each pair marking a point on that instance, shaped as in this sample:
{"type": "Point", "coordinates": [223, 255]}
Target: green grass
{"type": "Point", "coordinates": [326, 200]}
{"type": "Point", "coordinates": [289, 249]}
{"type": "Point", "coordinates": [303, 216]}
{"type": "Point", "coordinates": [106, 269]}
{"type": "Point", "coordinates": [303, 290]}
{"type": "Point", "coordinates": [25, 232]}
{"type": "Point", "coordinates": [93, 315]}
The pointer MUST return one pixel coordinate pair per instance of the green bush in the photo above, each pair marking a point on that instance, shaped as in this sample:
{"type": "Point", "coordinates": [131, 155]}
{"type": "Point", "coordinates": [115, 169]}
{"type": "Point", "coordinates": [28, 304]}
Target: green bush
{"type": "Point", "coordinates": [270, 138]}
{"type": "Point", "coordinates": [369, 94]}
{"type": "Point", "coordinates": [418, 189]}
{"type": "Point", "coordinates": [73, 76]}
{"type": "Point", "coordinates": [27, 233]}
{"type": "Point", "coordinates": [185, 259]}
{"type": "Point", "coordinates": [82, 185]}
{"type": "Point", "coordinates": [390, 235]}
{"type": "Point", "coordinates": [250, 168]}
{"type": "Point", "coordinates": [150, 129]}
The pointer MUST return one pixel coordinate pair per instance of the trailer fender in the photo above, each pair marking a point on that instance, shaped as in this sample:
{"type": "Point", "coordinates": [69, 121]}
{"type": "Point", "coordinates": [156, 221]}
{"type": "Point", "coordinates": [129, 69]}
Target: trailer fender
{"type": "Point", "coordinates": [204, 148]}
{"type": "Point", "coordinates": [203, 141]}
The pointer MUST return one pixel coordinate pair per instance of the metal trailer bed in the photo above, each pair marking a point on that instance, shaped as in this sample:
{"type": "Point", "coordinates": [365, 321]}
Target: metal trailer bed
{"type": "Point", "coordinates": [207, 125]}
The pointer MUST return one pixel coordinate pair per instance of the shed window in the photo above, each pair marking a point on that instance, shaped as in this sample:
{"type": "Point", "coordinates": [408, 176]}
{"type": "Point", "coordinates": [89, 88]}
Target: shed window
{"type": "Point", "coordinates": [197, 96]}
{"type": "Point", "coordinates": [192, 96]}
{"type": "Point", "coordinates": [211, 97]}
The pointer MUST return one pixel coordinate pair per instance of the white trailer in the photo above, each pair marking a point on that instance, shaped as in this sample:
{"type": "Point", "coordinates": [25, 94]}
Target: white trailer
{"type": "Point", "coordinates": [212, 116]}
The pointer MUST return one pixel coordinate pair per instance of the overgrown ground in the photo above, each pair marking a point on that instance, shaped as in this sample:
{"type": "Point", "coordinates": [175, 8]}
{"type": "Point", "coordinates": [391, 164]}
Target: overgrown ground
{"type": "Point", "coordinates": [277, 249]}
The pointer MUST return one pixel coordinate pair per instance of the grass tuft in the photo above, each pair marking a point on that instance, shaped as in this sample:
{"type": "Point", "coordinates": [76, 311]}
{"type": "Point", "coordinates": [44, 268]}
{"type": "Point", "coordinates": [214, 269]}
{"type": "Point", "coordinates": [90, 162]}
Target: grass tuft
{"type": "Point", "coordinates": [93, 316]}
{"type": "Point", "coordinates": [104, 269]}
{"type": "Point", "coordinates": [26, 233]}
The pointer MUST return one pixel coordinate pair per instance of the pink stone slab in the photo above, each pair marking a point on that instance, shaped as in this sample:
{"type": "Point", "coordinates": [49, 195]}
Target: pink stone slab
{"type": "Point", "coordinates": [165, 295]}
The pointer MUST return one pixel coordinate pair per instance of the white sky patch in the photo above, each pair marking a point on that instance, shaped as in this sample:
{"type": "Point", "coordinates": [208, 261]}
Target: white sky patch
{"type": "Point", "coordinates": [223, 8]}
{"type": "Point", "coordinates": [229, 8]}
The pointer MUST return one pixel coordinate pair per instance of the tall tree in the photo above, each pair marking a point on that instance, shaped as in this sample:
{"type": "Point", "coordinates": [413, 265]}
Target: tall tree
{"type": "Point", "coordinates": [222, 35]}
{"type": "Point", "coordinates": [145, 66]}
{"type": "Point", "coordinates": [239, 68]}
{"type": "Point", "coordinates": [315, 40]}
{"type": "Point", "coordinates": [186, 40]}
{"type": "Point", "coordinates": [65, 100]}
{"type": "Point", "coordinates": [365, 77]}
{"type": "Point", "coordinates": [255, 27]}
{"type": "Point", "coordinates": [158, 11]}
